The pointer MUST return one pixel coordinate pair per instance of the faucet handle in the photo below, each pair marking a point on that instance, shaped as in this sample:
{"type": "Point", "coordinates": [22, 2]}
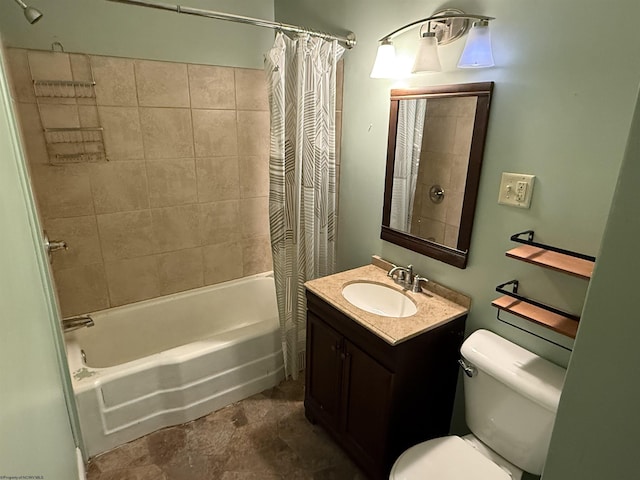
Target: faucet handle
{"type": "Point", "coordinates": [53, 245]}
{"type": "Point", "coordinates": [391, 270]}
{"type": "Point", "coordinates": [416, 283]}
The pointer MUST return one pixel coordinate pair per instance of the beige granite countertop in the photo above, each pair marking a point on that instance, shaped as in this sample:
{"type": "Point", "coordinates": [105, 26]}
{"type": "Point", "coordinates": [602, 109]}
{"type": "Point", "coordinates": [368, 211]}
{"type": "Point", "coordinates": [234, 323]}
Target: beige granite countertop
{"type": "Point", "coordinates": [433, 309]}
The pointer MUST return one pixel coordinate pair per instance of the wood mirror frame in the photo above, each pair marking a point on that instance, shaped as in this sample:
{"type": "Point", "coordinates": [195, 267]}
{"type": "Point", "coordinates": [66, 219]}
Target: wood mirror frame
{"type": "Point", "coordinates": [454, 256]}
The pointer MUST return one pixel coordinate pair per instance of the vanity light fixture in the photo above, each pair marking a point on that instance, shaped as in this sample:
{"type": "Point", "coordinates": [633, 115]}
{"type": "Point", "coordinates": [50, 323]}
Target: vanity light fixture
{"type": "Point", "coordinates": [477, 52]}
{"type": "Point", "coordinates": [441, 28]}
{"type": "Point", "coordinates": [427, 58]}
{"type": "Point", "coordinates": [385, 60]}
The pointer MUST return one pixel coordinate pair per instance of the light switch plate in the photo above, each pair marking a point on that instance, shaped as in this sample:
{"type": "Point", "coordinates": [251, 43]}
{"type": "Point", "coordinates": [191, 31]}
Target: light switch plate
{"type": "Point", "coordinates": [516, 189]}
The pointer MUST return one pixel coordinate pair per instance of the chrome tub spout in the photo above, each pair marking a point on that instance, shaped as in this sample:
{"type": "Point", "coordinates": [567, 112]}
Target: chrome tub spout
{"type": "Point", "coordinates": [70, 324]}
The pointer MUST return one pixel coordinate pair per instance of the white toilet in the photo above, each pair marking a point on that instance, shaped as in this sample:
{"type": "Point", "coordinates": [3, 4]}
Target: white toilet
{"type": "Point", "coordinates": [511, 399]}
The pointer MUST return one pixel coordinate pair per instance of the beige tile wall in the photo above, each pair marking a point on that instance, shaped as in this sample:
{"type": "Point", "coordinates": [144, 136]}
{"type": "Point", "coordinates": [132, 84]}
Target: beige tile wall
{"type": "Point", "coordinates": [443, 161]}
{"type": "Point", "coordinates": [183, 200]}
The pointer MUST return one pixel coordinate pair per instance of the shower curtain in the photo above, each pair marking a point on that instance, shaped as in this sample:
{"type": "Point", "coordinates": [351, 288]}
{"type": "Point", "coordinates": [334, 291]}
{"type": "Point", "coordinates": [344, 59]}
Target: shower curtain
{"type": "Point", "coordinates": [405, 168]}
{"type": "Point", "coordinates": [301, 77]}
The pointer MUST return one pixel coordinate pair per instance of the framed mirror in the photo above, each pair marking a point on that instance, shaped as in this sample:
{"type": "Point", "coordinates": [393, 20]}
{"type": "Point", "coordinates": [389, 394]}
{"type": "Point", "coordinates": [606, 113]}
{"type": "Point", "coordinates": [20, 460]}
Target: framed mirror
{"type": "Point", "coordinates": [434, 156]}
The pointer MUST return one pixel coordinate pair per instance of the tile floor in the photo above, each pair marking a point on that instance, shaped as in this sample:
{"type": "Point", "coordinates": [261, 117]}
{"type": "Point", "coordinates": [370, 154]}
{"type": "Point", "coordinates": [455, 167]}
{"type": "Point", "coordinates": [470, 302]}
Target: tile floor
{"type": "Point", "coordinates": [265, 437]}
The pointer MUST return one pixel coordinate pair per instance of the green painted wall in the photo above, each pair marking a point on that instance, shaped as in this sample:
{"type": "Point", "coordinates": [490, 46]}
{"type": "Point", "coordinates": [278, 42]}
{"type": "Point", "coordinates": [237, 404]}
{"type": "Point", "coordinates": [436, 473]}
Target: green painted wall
{"type": "Point", "coordinates": [598, 422]}
{"type": "Point", "coordinates": [105, 28]}
{"type": "Point", "coordinates": [562, 107]}
{"type": "Point", "coordinates": [36, 437]}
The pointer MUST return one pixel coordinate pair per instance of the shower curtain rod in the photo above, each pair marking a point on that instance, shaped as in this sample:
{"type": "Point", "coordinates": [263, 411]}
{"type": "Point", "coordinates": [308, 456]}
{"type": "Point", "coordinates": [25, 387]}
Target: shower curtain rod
{"type": "Point", "coordinates": [349, 40]}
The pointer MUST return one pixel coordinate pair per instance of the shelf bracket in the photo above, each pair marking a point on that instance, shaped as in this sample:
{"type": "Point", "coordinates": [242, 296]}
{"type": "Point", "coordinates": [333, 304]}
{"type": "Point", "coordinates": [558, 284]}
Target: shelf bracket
{"type": "Point", "coordinates": [529, 241]}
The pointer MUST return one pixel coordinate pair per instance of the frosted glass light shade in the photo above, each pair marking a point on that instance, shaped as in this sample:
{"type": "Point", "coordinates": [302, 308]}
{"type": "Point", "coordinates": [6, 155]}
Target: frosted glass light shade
{"type": "Point", "coordinates": [384, 66]}
{"type": "Point", "coordinates": [477, 52]}
{"type": "Point", "coordinates": [427, 58]}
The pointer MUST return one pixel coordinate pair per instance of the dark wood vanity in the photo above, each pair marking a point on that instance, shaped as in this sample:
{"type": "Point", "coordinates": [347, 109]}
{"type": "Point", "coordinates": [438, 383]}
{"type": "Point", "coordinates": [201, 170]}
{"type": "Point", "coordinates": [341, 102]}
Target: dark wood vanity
{"type": "Point", "coordinates": [377, 399]}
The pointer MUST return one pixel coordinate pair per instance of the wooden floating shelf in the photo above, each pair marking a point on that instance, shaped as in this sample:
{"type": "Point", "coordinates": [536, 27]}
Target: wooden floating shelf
{"type": "Point", "coordinates": [557, 323]}
{"type": "Point", "coordinates": [555, 261]}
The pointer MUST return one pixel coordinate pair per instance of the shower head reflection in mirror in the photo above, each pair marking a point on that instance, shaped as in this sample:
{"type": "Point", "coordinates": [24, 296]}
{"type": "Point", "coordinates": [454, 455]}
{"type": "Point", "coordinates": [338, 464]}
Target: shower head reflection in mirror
{"type": "Point", "coordinates": [30, 13]}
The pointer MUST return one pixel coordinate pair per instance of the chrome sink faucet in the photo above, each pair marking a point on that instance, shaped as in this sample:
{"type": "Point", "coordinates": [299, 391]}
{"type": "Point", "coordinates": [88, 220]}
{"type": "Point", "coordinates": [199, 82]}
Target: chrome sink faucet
{"type": "Point", "coordinates": [405, 277]}
{"type": "Point", "coordinates": [70, 324]}
{"type": "Point", "coordinates": [402, 275]}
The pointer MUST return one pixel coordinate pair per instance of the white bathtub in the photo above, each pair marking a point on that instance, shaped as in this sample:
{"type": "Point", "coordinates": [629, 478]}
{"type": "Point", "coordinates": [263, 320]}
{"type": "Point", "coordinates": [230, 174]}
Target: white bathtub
{"type": "Point", "coordinates": [173, 359]}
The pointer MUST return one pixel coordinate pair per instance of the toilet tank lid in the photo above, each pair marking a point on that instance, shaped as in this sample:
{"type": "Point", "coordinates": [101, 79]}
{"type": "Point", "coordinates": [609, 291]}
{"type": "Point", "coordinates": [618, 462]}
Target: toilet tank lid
{"type": "Point", "coordinates": [521, 370]}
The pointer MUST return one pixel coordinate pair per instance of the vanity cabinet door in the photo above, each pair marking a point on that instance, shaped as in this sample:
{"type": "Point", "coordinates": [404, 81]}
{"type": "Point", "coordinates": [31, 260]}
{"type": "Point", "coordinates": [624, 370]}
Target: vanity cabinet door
{"type": "Point", "coordinates": [324, 369]}
{"type": "Point", "coordinates": [367, 388]}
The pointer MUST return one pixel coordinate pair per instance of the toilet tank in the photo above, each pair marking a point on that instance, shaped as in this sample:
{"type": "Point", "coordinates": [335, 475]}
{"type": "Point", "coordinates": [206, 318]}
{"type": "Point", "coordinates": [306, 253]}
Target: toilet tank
{"type": "Point", "coordinates": [511, 401]}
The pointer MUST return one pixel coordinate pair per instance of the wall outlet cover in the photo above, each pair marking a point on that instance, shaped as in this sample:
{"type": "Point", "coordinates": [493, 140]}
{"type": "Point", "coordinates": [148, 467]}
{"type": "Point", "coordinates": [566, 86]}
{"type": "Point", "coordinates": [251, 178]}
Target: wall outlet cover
{"type": "Point", "coordinates": [516, 189]}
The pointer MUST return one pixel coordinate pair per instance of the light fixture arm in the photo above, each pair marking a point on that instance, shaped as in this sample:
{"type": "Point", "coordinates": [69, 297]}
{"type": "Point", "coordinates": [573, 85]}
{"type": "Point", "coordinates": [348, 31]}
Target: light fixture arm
{"type": "Point", "coordinates": [433, 18]}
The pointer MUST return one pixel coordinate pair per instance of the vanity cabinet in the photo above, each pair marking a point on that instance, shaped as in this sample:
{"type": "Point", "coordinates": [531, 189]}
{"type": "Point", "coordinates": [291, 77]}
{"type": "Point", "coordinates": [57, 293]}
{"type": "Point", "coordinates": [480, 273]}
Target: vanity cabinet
{"type": "Point", "coordinates": [374, 398]}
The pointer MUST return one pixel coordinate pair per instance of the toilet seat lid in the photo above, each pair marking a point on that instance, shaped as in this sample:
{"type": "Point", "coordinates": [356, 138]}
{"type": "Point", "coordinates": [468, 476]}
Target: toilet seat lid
{"type": "Point", "coordinates": [445, 458]}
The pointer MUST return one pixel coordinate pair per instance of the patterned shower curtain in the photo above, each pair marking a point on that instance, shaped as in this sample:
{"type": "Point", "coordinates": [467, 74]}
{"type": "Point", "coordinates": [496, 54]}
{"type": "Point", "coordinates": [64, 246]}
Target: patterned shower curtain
{"type": "Point", "coordinates": [301, 77]}
{"type": "Point", "coordinates": [405, 168]}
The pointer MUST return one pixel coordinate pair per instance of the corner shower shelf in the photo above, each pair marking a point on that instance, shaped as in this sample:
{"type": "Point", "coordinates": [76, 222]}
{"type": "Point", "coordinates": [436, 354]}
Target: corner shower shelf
{"type": "Point", "coordinates": [71, 144]}
{"type": "Point", "coordinates": [73, 135]}
{"type": "Point", "coordinates": [553, 258]}
{"type": "Point", "coordinates": [75, 145]}
{"type": "Point", "coordinates": [64, 89]}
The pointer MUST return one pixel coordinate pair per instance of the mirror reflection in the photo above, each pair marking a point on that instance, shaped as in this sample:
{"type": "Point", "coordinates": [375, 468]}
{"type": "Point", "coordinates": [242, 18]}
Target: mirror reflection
{"type": "Point", "coordinates": [436, 140]}
{"type": "Point", "coordinates": [430, 168]}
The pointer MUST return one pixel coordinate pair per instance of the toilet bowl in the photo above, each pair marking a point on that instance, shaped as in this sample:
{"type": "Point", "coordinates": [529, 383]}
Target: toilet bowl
{"type": "Point", "coordinates": [511, 399]}
{"type": "Point", "coordinates": [453, 458]}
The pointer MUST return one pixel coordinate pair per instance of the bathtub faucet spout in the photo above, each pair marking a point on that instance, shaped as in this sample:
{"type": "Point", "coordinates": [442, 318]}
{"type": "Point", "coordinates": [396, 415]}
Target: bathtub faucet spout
{"type": "Point", "coordinates": [70, 324]}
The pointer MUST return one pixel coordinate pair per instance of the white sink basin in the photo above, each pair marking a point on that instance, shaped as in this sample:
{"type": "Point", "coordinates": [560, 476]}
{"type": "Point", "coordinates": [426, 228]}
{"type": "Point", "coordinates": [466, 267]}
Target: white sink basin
{"type": "Point", "coordinates": [379, 299]}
